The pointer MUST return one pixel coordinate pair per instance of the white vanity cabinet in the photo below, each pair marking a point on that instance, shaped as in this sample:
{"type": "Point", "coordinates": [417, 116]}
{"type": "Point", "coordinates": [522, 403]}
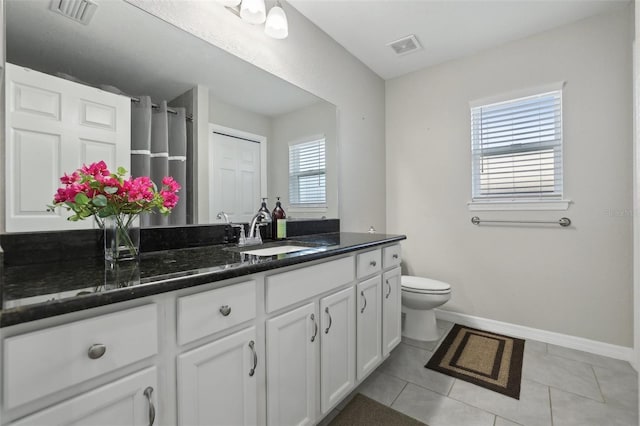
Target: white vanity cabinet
{"type": "Point", "coordinates": [39, 365]}
{"type": "Point", "coordinates": [391, 311]}
{"type": "Point", "coordinates": [311, 348]}
{"type": "Point", "coordinates": [126, 402]}
{"type": "Point", "coordinates": [369, 312]}
{"type": "Point", "coordinates": [279, 347]}
{"type": "Point", "coordinates": [217, 381]}
{"type": "Point", "coordinates": [337, 347]}
{"type": "Point", "coordinates": [292, 353]}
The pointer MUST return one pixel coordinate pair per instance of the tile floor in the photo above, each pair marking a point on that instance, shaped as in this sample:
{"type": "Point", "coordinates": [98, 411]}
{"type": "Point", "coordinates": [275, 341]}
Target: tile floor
{"type": "Point", "coordinates": [560, 387]}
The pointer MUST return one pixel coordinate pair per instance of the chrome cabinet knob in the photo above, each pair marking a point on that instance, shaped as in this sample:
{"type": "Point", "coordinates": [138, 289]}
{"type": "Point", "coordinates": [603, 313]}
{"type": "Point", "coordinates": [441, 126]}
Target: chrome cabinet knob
{"type": "Point", "coordinates": [96, 351]}
{"type": "Point", "coordinates": [373, 263]}
{"type": "Point", "coordinates": [225, 310]}
{"type": "Point", "coordinates": [395, 256]}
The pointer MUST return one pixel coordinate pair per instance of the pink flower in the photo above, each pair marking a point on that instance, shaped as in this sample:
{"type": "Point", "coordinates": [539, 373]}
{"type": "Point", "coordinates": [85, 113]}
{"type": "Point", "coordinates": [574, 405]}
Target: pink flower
{"type": "Point", "coordinates": [171, 184]}
{"type": "Point", "coordinates": [170, 199]}
{"type": "Point", "coordinates": [123, 197]}
{"type": "Point", "coordinates": [67, 180]}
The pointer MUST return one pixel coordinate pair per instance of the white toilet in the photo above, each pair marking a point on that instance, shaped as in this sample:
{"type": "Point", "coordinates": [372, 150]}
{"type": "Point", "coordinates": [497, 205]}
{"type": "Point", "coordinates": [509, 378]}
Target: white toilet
{"type": "Point", "coordinates": [420, 296]}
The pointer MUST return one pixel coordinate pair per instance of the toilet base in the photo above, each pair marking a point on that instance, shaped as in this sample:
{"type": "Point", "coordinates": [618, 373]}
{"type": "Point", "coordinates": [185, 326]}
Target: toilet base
{"type": "Point", "coordinates": [420, 324]}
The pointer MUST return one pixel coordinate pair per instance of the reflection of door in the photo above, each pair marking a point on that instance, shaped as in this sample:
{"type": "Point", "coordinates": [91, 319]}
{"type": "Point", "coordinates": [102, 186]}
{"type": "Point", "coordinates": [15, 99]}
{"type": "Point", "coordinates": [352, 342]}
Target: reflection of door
{"type": "Point", "coordinates": [235, 177]}
{"type": "Point", "coordinates": [53, 127]}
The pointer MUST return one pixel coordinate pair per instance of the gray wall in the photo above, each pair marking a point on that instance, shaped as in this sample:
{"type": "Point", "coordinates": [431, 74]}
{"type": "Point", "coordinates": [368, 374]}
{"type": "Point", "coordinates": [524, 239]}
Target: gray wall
{"type": "Point", "coordinates": [576, 281]}
{"type": "Point", "coordinates": [313, 61]}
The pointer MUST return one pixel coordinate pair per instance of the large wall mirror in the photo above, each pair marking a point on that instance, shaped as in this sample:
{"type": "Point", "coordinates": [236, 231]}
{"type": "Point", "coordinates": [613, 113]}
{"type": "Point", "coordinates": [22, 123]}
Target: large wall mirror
{"type": "Point", "coordinates": [250, 135]}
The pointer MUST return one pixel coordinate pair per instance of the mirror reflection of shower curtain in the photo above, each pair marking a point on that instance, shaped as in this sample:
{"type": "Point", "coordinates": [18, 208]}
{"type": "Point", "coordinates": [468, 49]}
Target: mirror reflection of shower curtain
{"type": "Point", "coordinates": [158, 149]}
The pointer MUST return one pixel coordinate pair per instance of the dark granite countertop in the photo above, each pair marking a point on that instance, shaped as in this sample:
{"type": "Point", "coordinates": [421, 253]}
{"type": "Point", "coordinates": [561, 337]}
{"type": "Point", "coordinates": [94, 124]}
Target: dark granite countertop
{"type": "Point", "coordinates": [41, 290]}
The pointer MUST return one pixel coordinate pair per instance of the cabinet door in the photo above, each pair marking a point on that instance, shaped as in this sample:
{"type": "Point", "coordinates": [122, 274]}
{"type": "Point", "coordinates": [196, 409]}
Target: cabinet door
{"type": "Point", "coordinates": [369, 324]}
{"type": "Point", "coordinates": [391, 311]}
{"type": "Point", "coordinates": [126, 402]}
{"type": "Point", "coordinates": [338, 348]}
{"type": "Point", "coordinates": [292, 354]}
{"type": "Point", "coordinates": [217, 383]}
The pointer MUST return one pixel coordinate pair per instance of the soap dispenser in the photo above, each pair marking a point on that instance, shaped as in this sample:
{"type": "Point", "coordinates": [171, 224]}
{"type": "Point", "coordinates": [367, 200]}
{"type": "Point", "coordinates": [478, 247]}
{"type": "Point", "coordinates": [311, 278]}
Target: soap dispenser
{"type": "Point", "coordinates": [279, 222]}
{"type": "Point", "coordinates": [263, 208]}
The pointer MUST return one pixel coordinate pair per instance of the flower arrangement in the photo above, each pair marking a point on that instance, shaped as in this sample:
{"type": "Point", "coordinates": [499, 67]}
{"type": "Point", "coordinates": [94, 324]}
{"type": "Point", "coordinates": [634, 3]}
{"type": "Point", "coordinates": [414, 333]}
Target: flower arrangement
{"type": "Point", "coordinates": [94, 191]}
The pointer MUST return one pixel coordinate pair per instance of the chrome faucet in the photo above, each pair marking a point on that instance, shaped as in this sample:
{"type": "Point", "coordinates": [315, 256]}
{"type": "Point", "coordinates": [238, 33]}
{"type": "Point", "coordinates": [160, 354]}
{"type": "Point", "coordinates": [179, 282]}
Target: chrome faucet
{"type": "Point", "coordinates": [221, 215]}
{"type": "Point", "coordinates": [241, 239]}
{"type": "Point", "coordinates": [254, 234]}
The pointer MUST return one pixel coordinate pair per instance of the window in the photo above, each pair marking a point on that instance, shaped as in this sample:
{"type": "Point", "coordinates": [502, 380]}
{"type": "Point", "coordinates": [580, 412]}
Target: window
{"type": "Point", "coordinates": [307, 181]}
{"type": "Point", "coordinates": [516, 149]}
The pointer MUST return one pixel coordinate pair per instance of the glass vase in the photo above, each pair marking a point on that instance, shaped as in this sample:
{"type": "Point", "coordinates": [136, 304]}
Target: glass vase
{"type": "Point", "coordinates": [121, 238]}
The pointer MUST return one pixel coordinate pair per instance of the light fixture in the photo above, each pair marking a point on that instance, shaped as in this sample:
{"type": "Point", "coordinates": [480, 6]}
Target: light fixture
{"type": "Point", "coordinates": [254, 12]}
{"type": "Point", "coordinates": [277, 25]}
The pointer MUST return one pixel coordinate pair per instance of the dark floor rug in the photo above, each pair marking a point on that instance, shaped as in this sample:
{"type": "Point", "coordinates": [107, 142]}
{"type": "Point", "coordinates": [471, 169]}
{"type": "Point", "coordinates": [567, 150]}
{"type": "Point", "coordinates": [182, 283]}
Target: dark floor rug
{"type": "Point", "coordinates": [363, 411]}
{"type": "Point", "coordinates": [490, 360]}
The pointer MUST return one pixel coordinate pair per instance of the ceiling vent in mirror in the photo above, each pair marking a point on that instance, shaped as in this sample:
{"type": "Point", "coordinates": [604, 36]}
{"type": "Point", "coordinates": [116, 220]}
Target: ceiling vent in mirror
{"type": "Point", "coordinates": [405, 45]}
{"type": "Point", "coordinates": [78, 10]}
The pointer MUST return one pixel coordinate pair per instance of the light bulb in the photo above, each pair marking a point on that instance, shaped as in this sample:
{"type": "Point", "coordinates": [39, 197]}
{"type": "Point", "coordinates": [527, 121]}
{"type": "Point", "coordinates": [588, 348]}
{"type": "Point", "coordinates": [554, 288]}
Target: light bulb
{"type": "Point", "coordinates": [277, 25]}
{"type": "Point", "coordinates": [253, 11]}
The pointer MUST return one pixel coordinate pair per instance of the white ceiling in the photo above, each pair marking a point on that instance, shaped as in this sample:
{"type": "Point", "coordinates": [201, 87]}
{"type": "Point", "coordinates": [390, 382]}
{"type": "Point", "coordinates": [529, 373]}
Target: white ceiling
{"type": "Point", "coordinates": [140, 54]}
{"type": "Point", "coordinates": [447, 29]}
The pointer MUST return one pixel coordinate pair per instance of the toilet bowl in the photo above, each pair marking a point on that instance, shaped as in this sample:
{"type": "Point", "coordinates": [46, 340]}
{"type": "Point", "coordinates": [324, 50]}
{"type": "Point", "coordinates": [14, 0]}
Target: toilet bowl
{"type": "Point", "coordinates": [420, 296]}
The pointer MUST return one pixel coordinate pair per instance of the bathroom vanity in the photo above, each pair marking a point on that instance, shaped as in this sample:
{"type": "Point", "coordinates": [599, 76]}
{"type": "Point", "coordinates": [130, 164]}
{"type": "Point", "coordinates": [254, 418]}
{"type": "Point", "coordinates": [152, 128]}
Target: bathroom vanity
{"type": "Point", "coordinates": [209, 335]}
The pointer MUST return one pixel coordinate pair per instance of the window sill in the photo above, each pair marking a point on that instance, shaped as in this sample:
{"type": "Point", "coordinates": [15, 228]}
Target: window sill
{"type": "Point", "coordinates": [518, 205]}
{"type": "Point", "coordinates": [299, 209]}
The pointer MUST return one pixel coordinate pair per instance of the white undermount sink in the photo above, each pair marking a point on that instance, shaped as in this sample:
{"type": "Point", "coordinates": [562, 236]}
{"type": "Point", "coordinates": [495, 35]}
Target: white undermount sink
{"type": "Point", "coordinates": [273, 251]}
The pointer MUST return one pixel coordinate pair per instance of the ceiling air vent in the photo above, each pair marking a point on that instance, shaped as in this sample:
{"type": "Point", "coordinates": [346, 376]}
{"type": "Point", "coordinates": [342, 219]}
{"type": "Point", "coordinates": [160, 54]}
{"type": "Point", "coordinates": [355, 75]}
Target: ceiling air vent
{"type": "Point", "coordinates": [78, 10]}
{"type": "Point", "coordinates": [405, 45]}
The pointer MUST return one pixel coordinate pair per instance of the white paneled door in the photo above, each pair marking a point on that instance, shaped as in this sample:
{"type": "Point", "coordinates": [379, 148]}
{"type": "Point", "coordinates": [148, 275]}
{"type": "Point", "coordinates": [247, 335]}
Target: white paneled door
{"type": "Point", "coordinates": [235, 177]}
{"type": "Point", "coordinates": [53, 126]}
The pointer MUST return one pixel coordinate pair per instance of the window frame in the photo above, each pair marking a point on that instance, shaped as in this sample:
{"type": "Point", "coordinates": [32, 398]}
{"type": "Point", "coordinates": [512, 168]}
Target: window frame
{"type": "Point", "coordinates": [308, 207]}
{"type": "Point", "coordinates": [555, 201]}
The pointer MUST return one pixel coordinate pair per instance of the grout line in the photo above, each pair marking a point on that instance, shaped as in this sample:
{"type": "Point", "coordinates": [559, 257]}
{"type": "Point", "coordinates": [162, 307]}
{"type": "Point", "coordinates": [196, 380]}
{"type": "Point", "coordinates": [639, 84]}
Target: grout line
{"type": "Point", "coordinates": [398, 395]}
{"type": "Point", "coordinates": [598, 383]}
{"type": "Point", "coordinates": [550, 404]}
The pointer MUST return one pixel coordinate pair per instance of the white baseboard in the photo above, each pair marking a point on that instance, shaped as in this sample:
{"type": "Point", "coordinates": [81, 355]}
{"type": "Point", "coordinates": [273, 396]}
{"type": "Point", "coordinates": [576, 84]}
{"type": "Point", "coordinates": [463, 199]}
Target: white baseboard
{"type": "Point", "coordinates": [579, 343]}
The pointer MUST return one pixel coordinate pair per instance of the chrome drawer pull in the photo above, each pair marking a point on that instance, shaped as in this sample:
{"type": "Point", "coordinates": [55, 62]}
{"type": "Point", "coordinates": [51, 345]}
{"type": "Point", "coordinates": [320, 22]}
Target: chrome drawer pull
{"type": "Point", "coordinates": [373, 263]}
{"type": "Point", "coordinates": [365, 302]}
{"type": "Point", "coordinates": [315, 328]}
{"type": "Point", "coordinates": [389, 292]}
{"type": "Point", "coordinates": [255, 358]}
{"type": "Point", "coordinates": [152, 410]}
{"type": "Point", "coordinates": [96, 351]}
{"type": "Point", "coordinates": [225, 310]}
{"type": "Point", "coordinates": [326, 331]}
{"type": "Point", "coordinates": [395, 255]}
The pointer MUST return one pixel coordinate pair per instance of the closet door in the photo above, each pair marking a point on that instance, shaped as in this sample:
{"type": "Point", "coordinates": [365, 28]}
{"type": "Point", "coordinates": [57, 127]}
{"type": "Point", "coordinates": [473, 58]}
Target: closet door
{"type": "Point", "coordinates": [53, 126]}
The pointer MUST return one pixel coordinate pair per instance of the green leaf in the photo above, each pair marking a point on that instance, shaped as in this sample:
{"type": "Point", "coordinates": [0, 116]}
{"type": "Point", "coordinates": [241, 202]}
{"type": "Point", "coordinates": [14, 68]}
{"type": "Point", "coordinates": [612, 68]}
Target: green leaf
{"type": "Point", "coordinates": [100, 200]}
{"type": "Point", "coordinates": [122, 171]}
{"type": "Point", "coordinates": [81, 198]}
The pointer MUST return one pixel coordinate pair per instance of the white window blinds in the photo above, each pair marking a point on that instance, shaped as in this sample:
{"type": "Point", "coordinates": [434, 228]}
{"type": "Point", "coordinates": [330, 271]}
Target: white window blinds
{"type": "Point", "coordinates": [307, 182]}
{"type": "Point", "coordinates": [517, 149]}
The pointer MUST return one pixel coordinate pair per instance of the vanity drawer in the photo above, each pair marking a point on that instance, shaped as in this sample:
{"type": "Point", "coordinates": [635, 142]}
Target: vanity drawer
{"type": "Point", "coordinates": [391, 256]}
{"type": "Point", "coordinates": [369, 263]}
{"type": "Point", "coordinates": [40, 363]}
{"type": "Point", "coordinates": [202, 314]}
{"type": "Point", "coordinates": [295, 286]}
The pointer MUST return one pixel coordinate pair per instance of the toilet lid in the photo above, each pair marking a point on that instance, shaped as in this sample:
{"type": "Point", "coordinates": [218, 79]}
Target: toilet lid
{"type": "Point", "coordinates": [425, 285]}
